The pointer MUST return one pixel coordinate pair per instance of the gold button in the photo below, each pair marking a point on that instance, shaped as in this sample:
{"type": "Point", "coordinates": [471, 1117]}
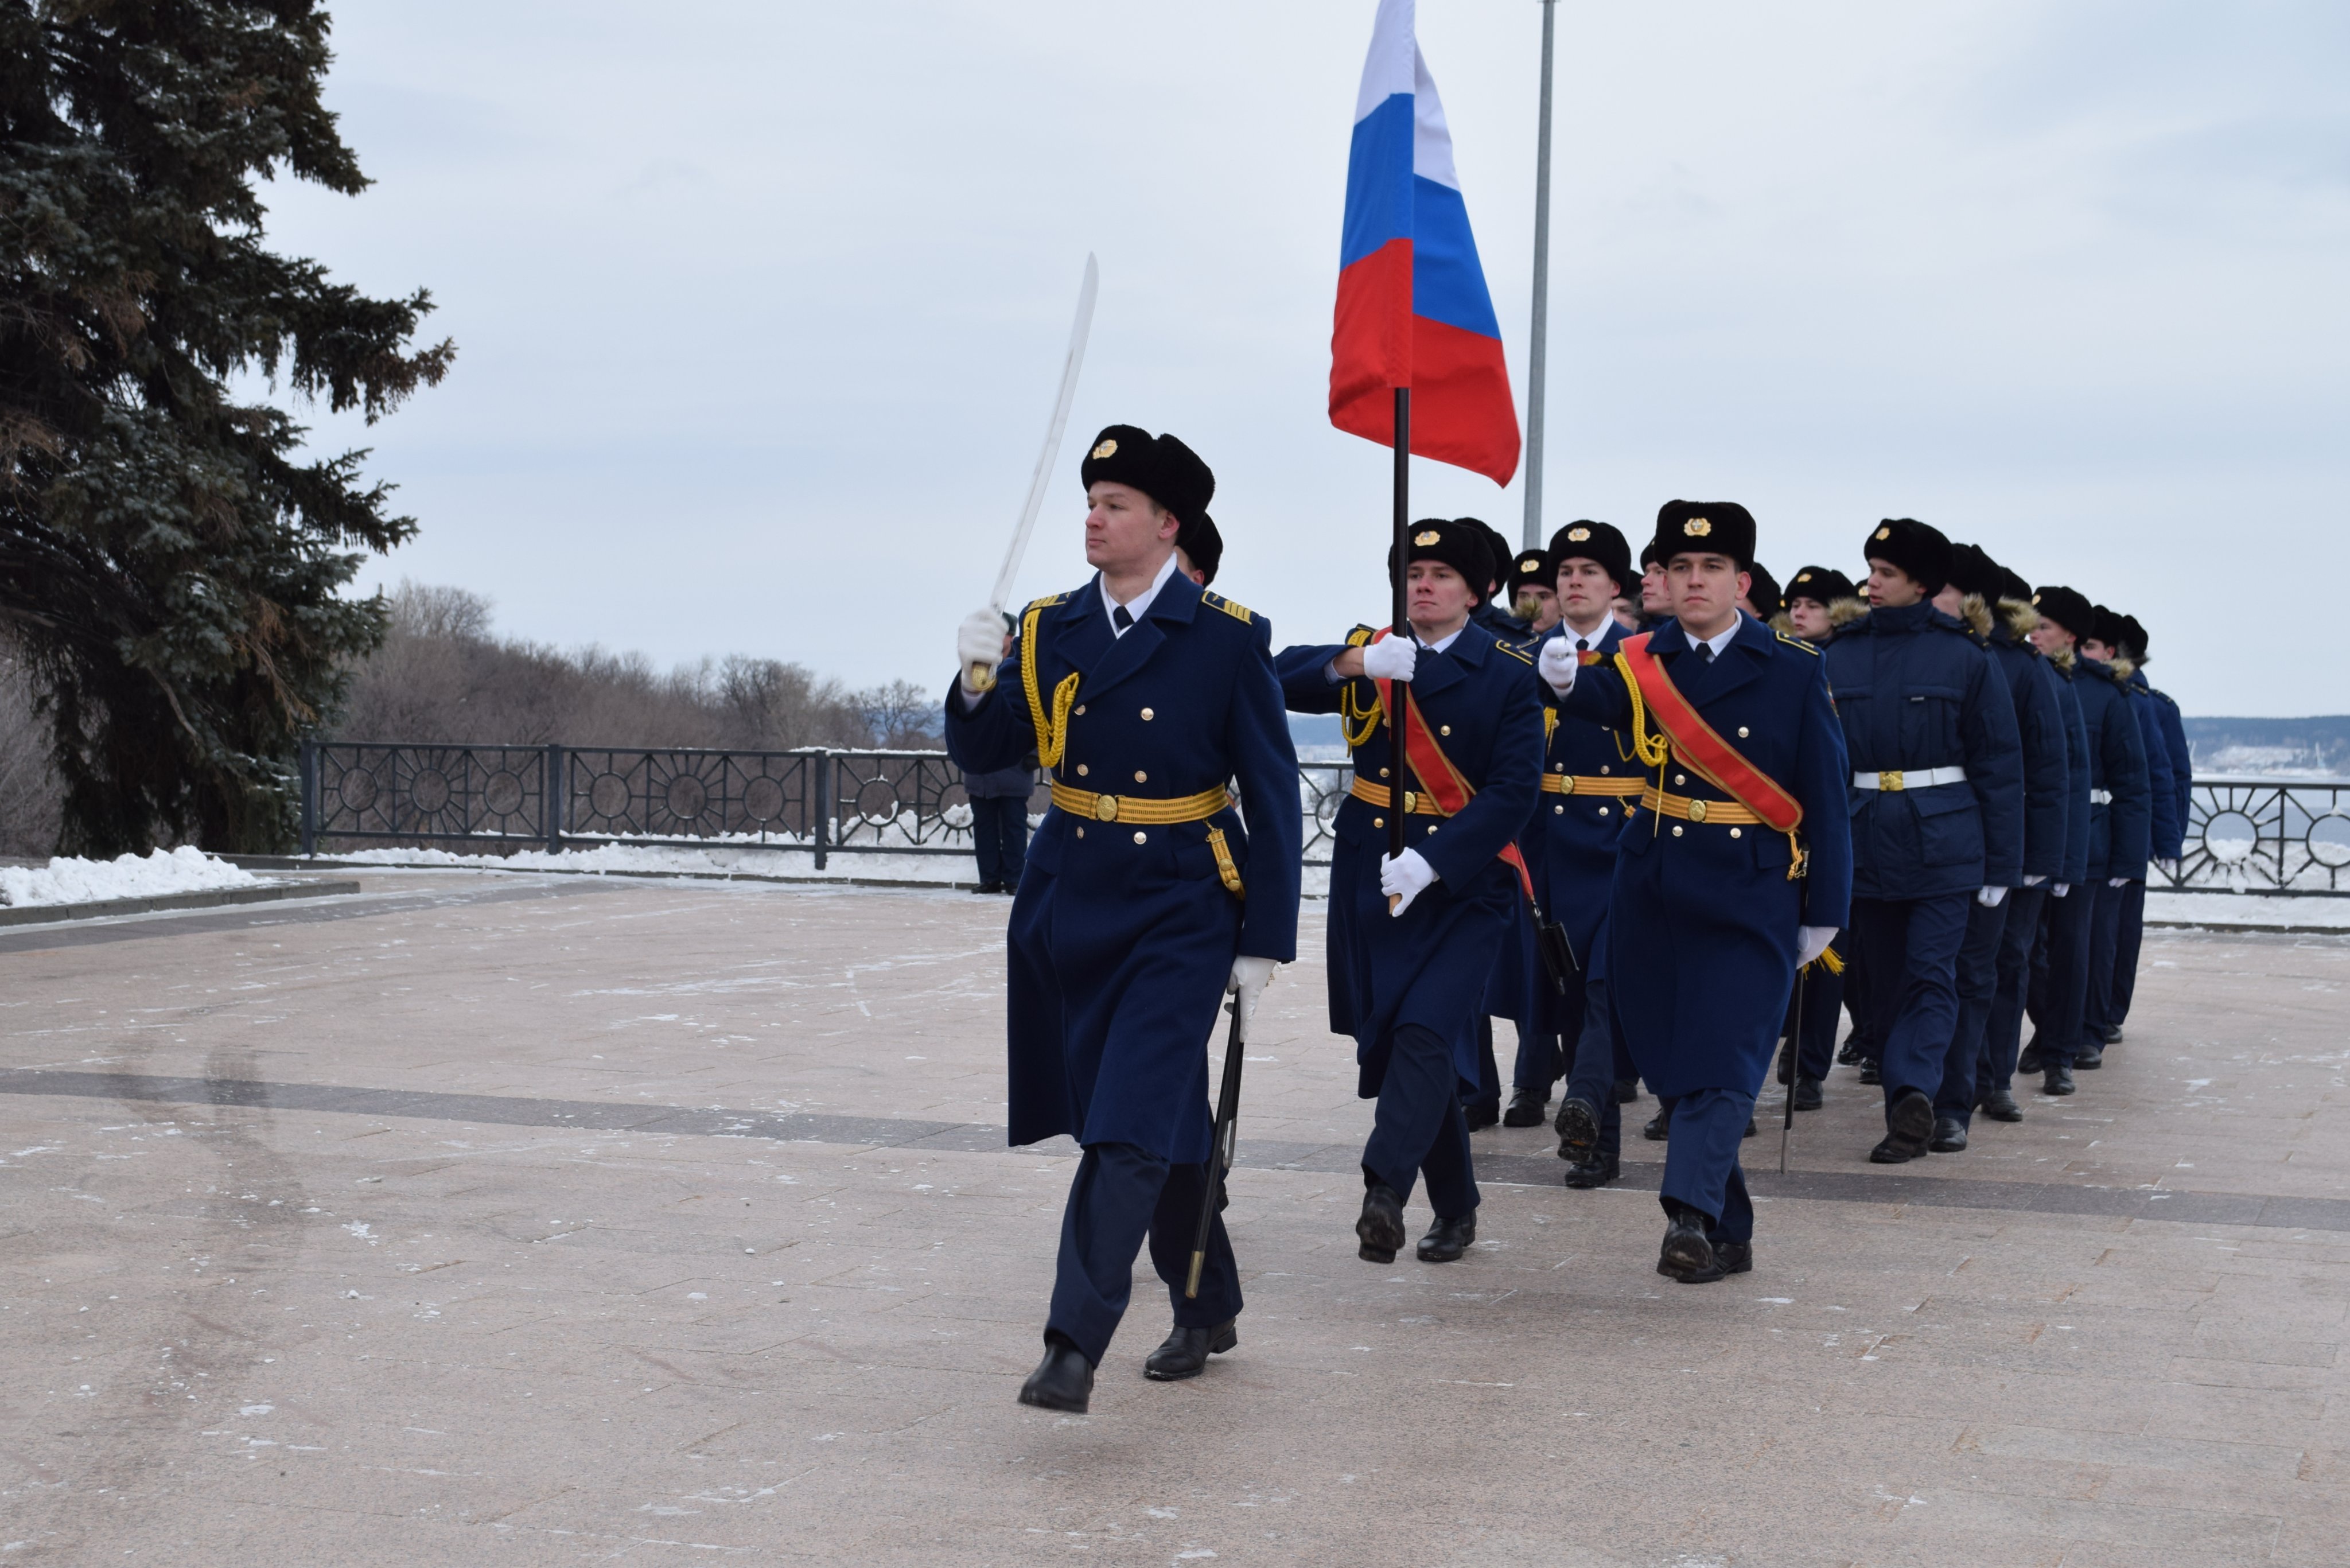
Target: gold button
{"type": "Point", "coordinates": [1736, 832]}
{"type": "Point", "coordinates": [1603, 767]}
{"type": "Point", "coordinates": [1081, 832]}
{"type": "Point", "coordinates": [1677, 830]}
{"type": "Point", "coordinates": [1680, 778]}
{"type": "Point", "coordinates": [1383, 773]}
{"type": "Point", "coordinates": [1140, 836]}
{"type": "Point", "coordinates": [1081, 710]}
{"type": "Point", "coordinates": [1146, 713]}
{"type": "Point", "coordinates": [1141, 778]}
{"type": "Point", "coordinates": [1741, 731]}
{"type": "Point", "coordinates": [1556, 810]}
{"type": "Point", "coordinates": [1444, 729]}
{"type": "Point", "coordinates": [1378, 822]}
{"type": "Point", "coordinates": [1082, 770]}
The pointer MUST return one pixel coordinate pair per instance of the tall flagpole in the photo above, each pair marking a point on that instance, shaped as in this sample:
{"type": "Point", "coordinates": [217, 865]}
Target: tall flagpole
{"type": "Point", "coordinates": [1535, 361]}
{"type": "Point", "coordinates": [1399, 786]}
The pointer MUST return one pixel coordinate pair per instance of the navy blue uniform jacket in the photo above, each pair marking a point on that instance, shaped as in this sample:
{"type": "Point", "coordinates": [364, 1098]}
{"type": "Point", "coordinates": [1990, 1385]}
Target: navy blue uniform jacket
{"type": "Point", "coordinates": [1704, 923]}
{"type": "Point", "coordinates": [2078, 812]}
{"type": "Point", "coordinates": [1430, 967]}
{"type": "Point", "coordinates": [2174, 741]}
{"type": "Point", "coordinates": [1122, 937]}
{"type": "Point", "coordinates": [2165, 823]}
{"type": "Point", "coordinates": [1573, 846]}
{"type": "Point", "coordinates": [1916, 691]}
{"type": "Point", "coordinates": [2121, 827]}
{"type": "Point", "coordinates": [2048, 758]}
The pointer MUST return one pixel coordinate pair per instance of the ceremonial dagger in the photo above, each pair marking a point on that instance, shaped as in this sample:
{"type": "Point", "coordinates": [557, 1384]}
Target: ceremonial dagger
{"type": "Point", "coordinates": [1220, 1154]}
{"type": "Point", "coordinates": [981, 677]}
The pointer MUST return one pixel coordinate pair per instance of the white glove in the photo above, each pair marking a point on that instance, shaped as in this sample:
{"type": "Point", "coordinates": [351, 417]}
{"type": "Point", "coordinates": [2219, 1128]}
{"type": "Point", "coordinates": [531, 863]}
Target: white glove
{"type": "Point", "coordinates": [979, 640]}
{"type": "Point", "coordinates": [1990, 898]}
{"type": "Point", "coordinates": [1249, 977]}
{"type": "Point", "coordinates": [1816, 940]}
{"type": "Point", "coordinates": [1404, 877]}
{"type": "Point", "coordinates": [2033, 881]}
{"type": "Point", "coordinates": [1390, 658]}
{"type": "Point", "coordinates": [2168, 868]}
{"type": "Point", "coordinates": [2063, 890]}
{"type": "Point", "coordinates": [1557, 663]}
{"type": "Point", "coordinates": [2117, 881]}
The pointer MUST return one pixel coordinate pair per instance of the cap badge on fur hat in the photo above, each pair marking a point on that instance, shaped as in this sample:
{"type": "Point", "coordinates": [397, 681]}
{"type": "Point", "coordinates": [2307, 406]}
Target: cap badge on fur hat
{"type": "Point", "coordinates": [1696, 527]}
{"type": "Point", "coordinates": [1803, 576]}
{"type": "Point", "coordinates": [1884, 533]}
{"type": "Point", "coordinates": [1426, 537]}
{"type": "Point", "coordinates": [1106, 449]}
{"type": "Point", "coordinates": [1530, 562]}
{"type": "Point", "coordinates": [1577, 535]}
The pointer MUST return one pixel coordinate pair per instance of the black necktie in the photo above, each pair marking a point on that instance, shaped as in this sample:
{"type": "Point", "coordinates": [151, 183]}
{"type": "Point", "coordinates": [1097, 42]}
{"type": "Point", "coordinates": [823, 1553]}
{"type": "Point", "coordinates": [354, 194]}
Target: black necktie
{"type": "Point", "coordinates": [1582, 645]}
{"type": "Point", "coordinates": [1119, 619]}
{"type": "Point", "coordinates": [1705, 653]}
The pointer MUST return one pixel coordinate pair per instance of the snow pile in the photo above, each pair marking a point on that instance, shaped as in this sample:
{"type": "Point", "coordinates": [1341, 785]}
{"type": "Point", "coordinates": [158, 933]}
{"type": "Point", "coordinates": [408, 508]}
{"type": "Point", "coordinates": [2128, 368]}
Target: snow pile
{"type": "Point", "coordinates": [662, 859]}
{"type": "Point", "coordinates": [186, 869]}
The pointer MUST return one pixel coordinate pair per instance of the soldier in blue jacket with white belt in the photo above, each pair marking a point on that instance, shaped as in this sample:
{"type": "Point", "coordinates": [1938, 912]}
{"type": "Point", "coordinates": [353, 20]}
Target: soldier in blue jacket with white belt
{"type": "Point", "coordinates": [1734, 867]}
{"type": "Point", "coordinates": [2121, 916]}
{"type": "Point", "coordinates": [1937, 809]}
{"type": "Point", "coordinates": [1143, 901]}
{"type": "Point", "coordinates": [1413, 937]}
{"type": "Point", "coordinates": [2167, 733]}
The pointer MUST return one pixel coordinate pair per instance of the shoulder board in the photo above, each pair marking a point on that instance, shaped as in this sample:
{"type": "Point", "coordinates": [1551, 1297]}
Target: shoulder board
{"type": "Point", "coordinates": [1513, 650]}
{"type": "Point", "coordinates": [1238, 612]}
{"type": "Point", "coordinates": [1359, 637]}
{"type": "Point", "coordinates": [1812, 648]}
{"type": "Point", "coordinates": [1048, 602]}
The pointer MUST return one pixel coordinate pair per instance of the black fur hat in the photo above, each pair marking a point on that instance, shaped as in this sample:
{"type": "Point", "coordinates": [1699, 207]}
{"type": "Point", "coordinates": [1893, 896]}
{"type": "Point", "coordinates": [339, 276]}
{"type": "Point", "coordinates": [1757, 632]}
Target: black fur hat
{"type": "Point", "coordinates": [1763, 591]}
{"type": "Point", "coordinates": [2068, 609]}
{"type": "Point", "coordinates": [1202, 542]}
{"type": "Point", "coordinates": [1973, 571]}
{"type": "Point", "coordinates": [1824, 585]}
{"type": "Point", "coordinates": [1713, 527]}
{"type": "Point", "coordinates": [1459, 542]}
{"type": "Point", "coordinates": [1601, 543]}
{"type": "Point", "coordinates": [1161, 467]}
{"type": "Point", "coordinates": [1919, 548]}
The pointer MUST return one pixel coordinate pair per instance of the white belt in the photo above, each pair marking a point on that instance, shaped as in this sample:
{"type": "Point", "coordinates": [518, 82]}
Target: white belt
{"type": "Point", "coordinates": [1912, 778]}
{"type": "Point", "coordinates": [2101, 797]}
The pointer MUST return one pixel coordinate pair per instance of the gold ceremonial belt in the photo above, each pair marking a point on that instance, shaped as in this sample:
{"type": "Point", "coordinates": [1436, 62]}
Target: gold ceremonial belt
{"type": "Point", "coordinates": [1727, 812]}
{"type": "Point", "coordinates": [1590, 784]}
{"type": "Point", "coordinates": [1140, 809]}
{"type": "Point", "coordinates": [1376, 795]}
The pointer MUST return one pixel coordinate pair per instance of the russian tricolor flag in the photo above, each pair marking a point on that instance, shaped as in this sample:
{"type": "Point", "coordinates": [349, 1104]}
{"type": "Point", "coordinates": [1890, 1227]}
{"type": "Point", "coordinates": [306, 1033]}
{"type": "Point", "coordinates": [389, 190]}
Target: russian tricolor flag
{"type": "Point", "coordinates": [1413, 310]}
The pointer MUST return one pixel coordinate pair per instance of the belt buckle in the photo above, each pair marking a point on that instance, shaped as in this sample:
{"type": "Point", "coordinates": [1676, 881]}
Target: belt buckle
{"type": "Point", "coordinates": [1105, 808]}
{"type": "Point", "coordinates": [1697, 811]}
{"type": "Point", "coordinates": [1892, 778]}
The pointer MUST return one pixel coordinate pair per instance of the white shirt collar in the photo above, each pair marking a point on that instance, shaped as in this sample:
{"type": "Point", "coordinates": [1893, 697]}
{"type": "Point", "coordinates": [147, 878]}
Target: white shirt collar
{"type": "Point", "coordinates": [1140, 605]}
{"type": "Point", "coordinates": [1441, 643]}
{"type": "Point", "coordinates": [1595, 636]}
{"type": "Point", "coordinates": [1717, 643]}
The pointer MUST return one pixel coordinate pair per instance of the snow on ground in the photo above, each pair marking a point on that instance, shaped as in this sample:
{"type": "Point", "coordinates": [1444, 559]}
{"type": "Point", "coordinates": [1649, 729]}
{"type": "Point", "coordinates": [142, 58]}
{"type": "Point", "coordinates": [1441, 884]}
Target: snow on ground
{"type": "Point", "coordinates": [2219, 910]}
{"type": "Point", "coordinates": [714, 862]}
{"type": "Point", "coordinates": [63, 881]}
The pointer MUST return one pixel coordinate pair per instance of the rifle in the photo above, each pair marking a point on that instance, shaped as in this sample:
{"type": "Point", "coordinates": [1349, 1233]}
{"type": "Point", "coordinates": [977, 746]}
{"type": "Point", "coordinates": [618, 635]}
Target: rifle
{"type": "Point", "coordinates": [1220, 1154]}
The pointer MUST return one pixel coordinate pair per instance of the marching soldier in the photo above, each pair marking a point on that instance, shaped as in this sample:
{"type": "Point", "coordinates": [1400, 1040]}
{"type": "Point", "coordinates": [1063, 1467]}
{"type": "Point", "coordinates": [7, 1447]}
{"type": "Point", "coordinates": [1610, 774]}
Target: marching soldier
{"type": "Point", "coordinates": [1532, 593]}
{"type": "Point", "coordinates": [1967, 1071]}
{"type": "Point", "coordinates": [2172, 734]}
{"type": "Point", "coordinates": [1732, 868]}
{"type": "Point", "coordinates": [1413, 937]}
{"type": "Point", "coordinates": [1145, 902]}
{"type": "Point", "coordinates": [1818, 599]}
{"type": "Point", "coordinates": [2121, 912]}
{"type": "Point", "coordinates": [2120, 823]}
{"type": "Point", "coordinates": [1590, 780]}
{"type": "Point", "coordinates": [1937, 812]}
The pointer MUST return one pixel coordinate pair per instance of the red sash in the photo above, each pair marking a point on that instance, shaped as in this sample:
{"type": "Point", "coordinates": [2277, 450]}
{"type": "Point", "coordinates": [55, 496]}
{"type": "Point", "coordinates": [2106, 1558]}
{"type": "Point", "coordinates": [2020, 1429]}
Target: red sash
{"type": "Point", "coordinates": [1439, 779]}
{"type": "Point", "coordinates": [1712, 758]}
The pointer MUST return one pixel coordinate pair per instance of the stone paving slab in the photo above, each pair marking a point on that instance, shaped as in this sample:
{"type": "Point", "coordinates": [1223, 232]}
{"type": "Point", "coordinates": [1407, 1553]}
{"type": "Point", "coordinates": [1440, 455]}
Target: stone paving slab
{"type": "Point", "coordinates": [471, 1221]}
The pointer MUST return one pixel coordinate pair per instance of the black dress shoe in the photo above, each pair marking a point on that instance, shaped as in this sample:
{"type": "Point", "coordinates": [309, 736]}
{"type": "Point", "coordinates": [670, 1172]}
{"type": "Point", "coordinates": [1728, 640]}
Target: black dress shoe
{"type": "Point", "coordinates": [2087, 1057]}
{"type": "Point", "coordinates": [2057, 1080]}
{"type": "Point", "coordinates": [1482, 1114]}
{"type": "Point", "coordinates": [1808, 1095]}
{"type": "Point", "coordinates": [1872, 1071]}
{"type": "Point", "coordinates": [1787, 1064]}
{"type": "Point", "coordinates": [1735, 1257]}
{"type": "Point", "coordinates": [1577, 1128]}
{"type": "Point", "coordinates": [2000, 1106]}
{"type": "Point", "coordinates": [1848, 1053]}
{"type": "Point", "coordinates": [1064, 1380]}
{"type": "Point", "coordinates": [1380, 1230]}
{"type": "Point", "coordinates": [1185, 1352]}
{"type": "Point", "coordinates": [1909, 1124]}
{"type": "Point", "coordinates": [1750, 1129]}
{"type": "Point", "coordinates": [2113, 1033]}
{"type": "Point", "coordinates": [1949, 1135]}
{"type": "Point", "coordinates": [1448, 1239]}
{"type": "Point", "coordinates": [1592, 1170]}
{"type": "Point", "coordinates": [1660, 1127]}
{"type": "Point", "coordinates": [1687, 1255]}
{"type": "Point", "coordinates": [2028, 1060]}
{"type": "Point", "coordinates": [1525, 1110]}
{"type": "Point", "coordinates": [1626, 1090]}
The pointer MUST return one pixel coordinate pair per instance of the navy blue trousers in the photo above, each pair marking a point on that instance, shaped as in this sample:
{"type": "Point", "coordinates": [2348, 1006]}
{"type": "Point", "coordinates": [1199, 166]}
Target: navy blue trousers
{"type": "Point", "coordinates": [1538, 1064]}
{"type": "Point", "coordinates": [2132, 936]}
{"type": "Point", "coordinates": [2003, 1036]}
{"type": "Point", "coordinates": [1701, 1168]}
{"type": "Point", "coordinates": [2104, 951]}
{"type": "Point", "coordinates": [1978, 978]}
{"type": "Point", "coordinates": [1912, 947]}
{"type": "Point", "coordinates": [1864, 993]}
{"type": "Point", "coordinates": [1602, 1061]}
{"type": "Point", "coordinates": [999, 837]}
{"type": "Point", "coordinates": [1489, 1078]}
{"type": "Point", "coordinates": [2060, 975]}
{"type": "Point", "coordinates": [1418, 1128]}
{"type": "Point", "coordinates": [1121, 1195]}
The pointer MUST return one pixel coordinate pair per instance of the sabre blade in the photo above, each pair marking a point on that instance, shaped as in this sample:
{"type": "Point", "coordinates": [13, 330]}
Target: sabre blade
{"type": "Point", "coordinates": [1046, 458]}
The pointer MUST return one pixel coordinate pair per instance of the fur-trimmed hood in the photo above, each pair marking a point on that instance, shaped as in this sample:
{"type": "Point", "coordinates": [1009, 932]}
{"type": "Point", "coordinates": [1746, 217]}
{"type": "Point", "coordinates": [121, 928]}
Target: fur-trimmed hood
{"type": "Point", "coordinates": [2022, 619]}
{"type": "Point", "coordinates": [1842, 613]}
{"type": "Point", "coordinates": [1976, 614]}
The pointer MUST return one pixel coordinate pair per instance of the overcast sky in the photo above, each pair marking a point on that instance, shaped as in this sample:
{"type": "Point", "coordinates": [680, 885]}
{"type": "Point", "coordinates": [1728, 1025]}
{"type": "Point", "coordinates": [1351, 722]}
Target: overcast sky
{"type": "Point", "coordinates": [759, 306]}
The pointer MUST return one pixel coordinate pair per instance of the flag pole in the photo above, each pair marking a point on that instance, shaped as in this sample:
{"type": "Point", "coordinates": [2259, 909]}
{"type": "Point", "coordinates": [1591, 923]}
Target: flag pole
{"type": "Point", "coordinates": [1401, 783]}
{"type": "Point", "coordinates": [1537, 359]}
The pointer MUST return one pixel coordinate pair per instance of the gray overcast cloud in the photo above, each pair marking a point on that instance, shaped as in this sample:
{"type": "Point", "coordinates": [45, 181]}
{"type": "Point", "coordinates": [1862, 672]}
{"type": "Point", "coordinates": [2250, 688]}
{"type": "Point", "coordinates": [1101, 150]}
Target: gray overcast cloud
{"type": "Point", "coordinates": [760, 306]}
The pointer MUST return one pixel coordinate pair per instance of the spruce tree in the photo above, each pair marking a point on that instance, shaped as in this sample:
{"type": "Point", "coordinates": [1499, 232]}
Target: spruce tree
{"type": "Point", "coordinates": [172, 563]}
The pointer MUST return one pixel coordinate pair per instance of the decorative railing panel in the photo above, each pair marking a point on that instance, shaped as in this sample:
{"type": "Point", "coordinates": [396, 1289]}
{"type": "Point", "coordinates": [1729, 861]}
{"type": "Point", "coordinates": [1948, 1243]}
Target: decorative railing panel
{"type": "Point", "coordinates": [2244, 835]}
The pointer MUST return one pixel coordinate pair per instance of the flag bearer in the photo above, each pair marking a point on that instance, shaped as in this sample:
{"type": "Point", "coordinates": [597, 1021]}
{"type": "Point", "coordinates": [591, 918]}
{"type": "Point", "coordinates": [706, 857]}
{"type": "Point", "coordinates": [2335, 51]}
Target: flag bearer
{"type": "Point", "coordinates": [1144, 902]}
{"type": "Point", "coordinates": [1734, 866]}
{"type": "Point", "coordinates": [1413, 937]}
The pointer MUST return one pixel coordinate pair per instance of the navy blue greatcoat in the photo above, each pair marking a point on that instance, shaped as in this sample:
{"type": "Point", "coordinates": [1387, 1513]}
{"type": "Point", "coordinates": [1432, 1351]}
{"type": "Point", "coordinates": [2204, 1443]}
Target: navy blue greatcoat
{"type": "Point", "coordinates": [1573, 846]}
{"type": "Point", "coordinates": [2079, 811]}
{"type": "Point", "coordinates": [1430, 967]}
{"type": "Point", "coordinates": [1703, 925]}
{"type": "Point", "coordinates": [1916, 691]}
{"type": "Point", "coordinates": [2174, 741]}
{"type": "Point", "coordinates": [2047, 762]}
{"type": "Point", "coordinates": [1122, 937]}
{"type": "Point", "coordinates": [2166, 827]}
{"type": "Point", "coordinates": [2121, 826]}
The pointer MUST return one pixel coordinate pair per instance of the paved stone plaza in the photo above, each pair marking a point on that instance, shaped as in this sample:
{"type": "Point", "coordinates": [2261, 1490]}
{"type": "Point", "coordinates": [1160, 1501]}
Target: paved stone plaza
{"type": "Point", "coordinates": [505, 1220]}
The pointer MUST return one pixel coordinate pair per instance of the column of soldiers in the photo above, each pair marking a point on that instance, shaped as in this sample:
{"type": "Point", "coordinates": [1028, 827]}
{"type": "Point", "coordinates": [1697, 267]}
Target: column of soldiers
{"type": "Point", "coordinates": [1669, 821]}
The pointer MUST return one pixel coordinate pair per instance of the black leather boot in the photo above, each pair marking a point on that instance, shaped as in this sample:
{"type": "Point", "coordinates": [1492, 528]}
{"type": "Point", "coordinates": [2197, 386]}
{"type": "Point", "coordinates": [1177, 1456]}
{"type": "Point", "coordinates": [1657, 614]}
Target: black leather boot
{"type": "Point", "coordinates": [1185, 1352]}
{"type": "Point", "coordinates": [1448, 1239]}
{"type": "Point", "coordinates": [1908, 1125]}
{"type": "Point", "coordinates": [1577, 1128]}
{"type": "Point", "coordinates": [1063, 1381]}
{"type": "Point", "coordinates": [1380, 1228]}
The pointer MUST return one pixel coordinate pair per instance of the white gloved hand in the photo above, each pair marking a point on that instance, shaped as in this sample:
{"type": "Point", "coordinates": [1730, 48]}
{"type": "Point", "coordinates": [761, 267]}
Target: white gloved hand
{"type": "Point", "coordinates": [1249, 977]}
{"type": "Point", "coordinates": [1557, 663]}
{"type": "Point", "coordinates": [1816, 940]}
{"type": "Point", "coordinates": [1990, 898]}
{"type": "Point", "coordinates": [2033, 881]}
{"type": "Point", "coordinates": [1390, 658]}
{"type": "Point", "coordinates": [1404, 877]}
{"type": "Point", "coordinates": [2117, 881]}
{"type": "Point", "coordinates": [2063, 890]}
{"type": "Point", "coordinates": [2168, 868]}
{"type": "Point", "coordinates": [980, 640]}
